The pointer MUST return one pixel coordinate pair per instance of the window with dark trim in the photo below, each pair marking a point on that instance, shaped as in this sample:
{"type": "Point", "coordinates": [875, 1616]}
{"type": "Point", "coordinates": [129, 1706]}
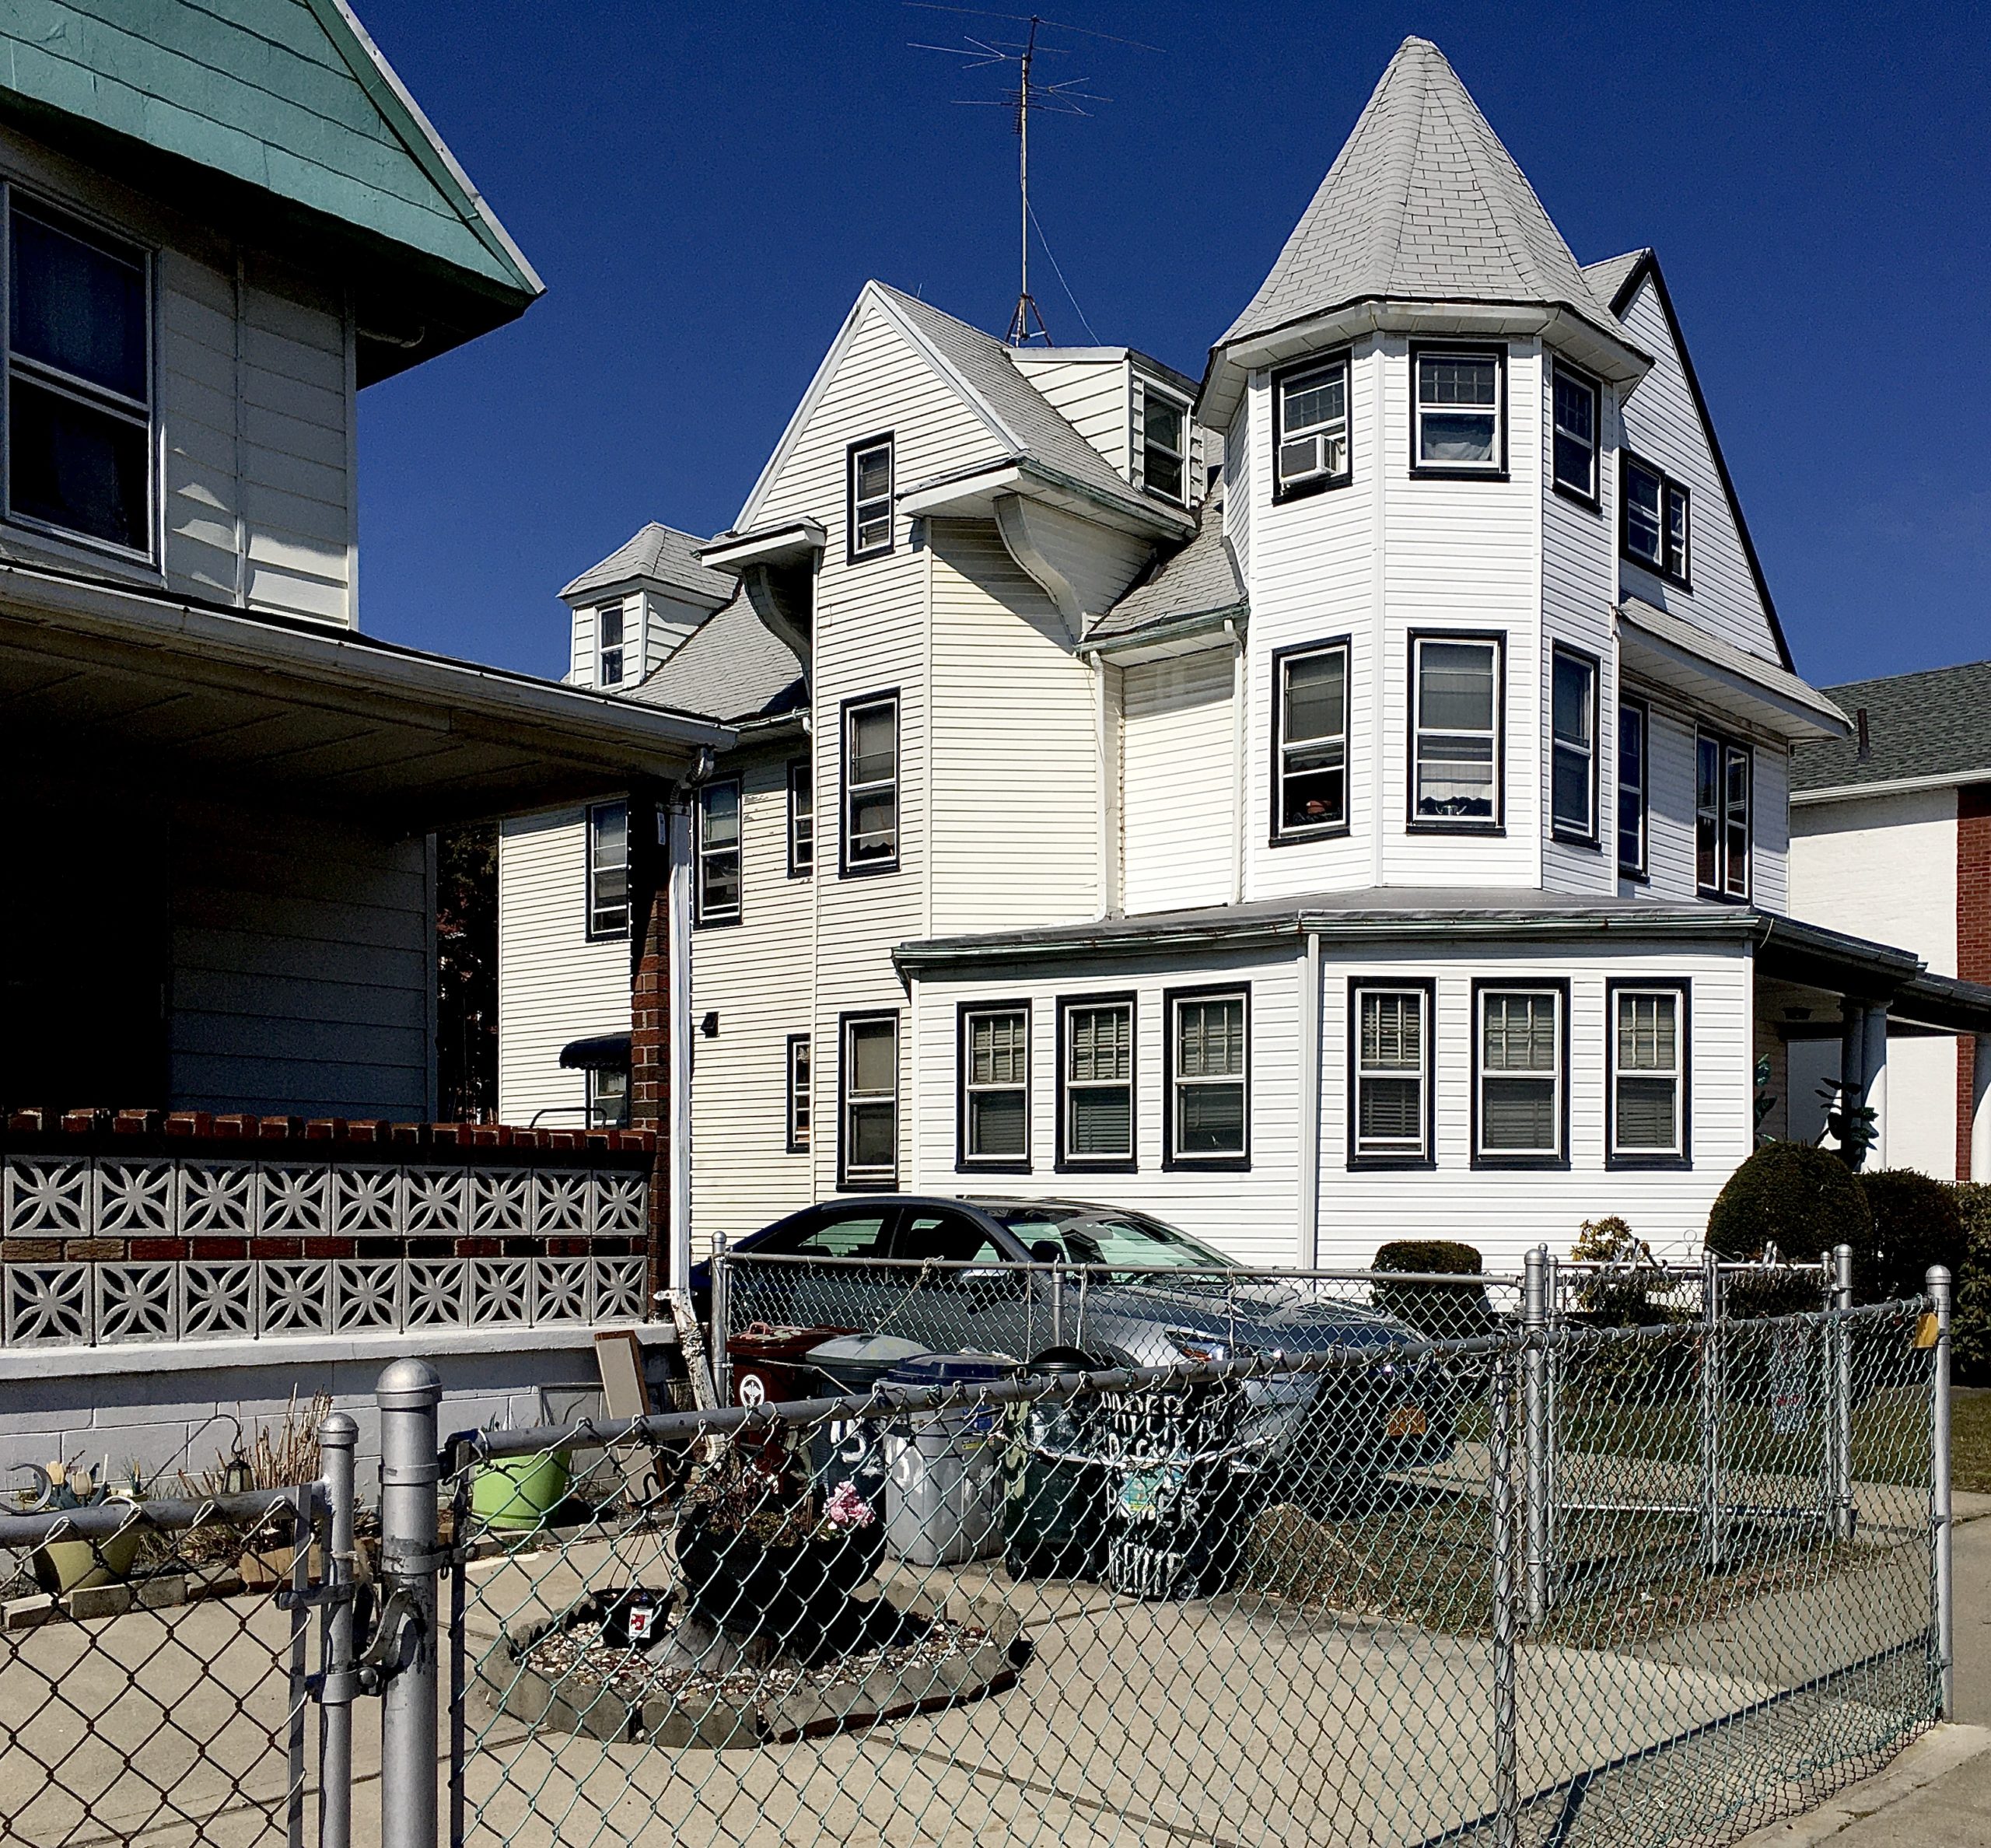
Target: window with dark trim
{"type": "Point", "coordinates": [1206, 1110]}
{"type": "Point", "coordinates": [608, 869]}
{"type": "Point", "coordinates": [798, 1094]}
{"type": "Point", "coordinates": [1520, 1076]}
{"type": "Point", "coordinates": [1656, 521]}
{"type": "Point", "coordinates": [1161, 450]}
{"type": "Point", "coordinates": [870, 833]}
{"type": "Point", "coordinates": [1096, 1083]}
{"type": "Point", "coordinates": [1573, 746]}
{"type": "Point", "coordinates": [1457, 748]}
{"type": "Point", "coordinates": [1389, 1074]}
{"type": "Point", "coordinates": [78, 380]}
{"type": "Point", "coordinates": [1723, 775]}
{"type": "Point", "coordinates": [869, 499]}
{"type": "Point", "coordinates": [1310, 744]}
{"type": "Point", "coordinates": [1579, 415]}
{"type": "Point", "coordinates": [608, 645]}
{"type": "Point", "coordinates": [1634, 784]}
{"type": "Point", "coordinates": [801, 819]}
{"type": "Point", "coordinates": [717, 895]}
{"type": "Point", "coordinates": [1458, 405]}
{"type": "Point", "coordinates": [868, 1102]}
{"type": "Point", "coordinates": [1647, 1102]}
{"type": "Point", "coordinates": [1311, 447]}
{"type": "Point", "coordinates": [993, 1120]}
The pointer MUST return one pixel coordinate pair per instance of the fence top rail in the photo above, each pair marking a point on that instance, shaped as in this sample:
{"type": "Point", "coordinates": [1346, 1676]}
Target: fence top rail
{"type": "Point", "coordinates": [1258, 1273]}
{"type": "Point", "coordinates": [116, 1513]}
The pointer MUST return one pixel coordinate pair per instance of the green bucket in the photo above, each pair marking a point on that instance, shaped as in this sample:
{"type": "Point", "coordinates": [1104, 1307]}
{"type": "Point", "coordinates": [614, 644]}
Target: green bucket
{"type": "Point", "coordinates": [519, 1492]}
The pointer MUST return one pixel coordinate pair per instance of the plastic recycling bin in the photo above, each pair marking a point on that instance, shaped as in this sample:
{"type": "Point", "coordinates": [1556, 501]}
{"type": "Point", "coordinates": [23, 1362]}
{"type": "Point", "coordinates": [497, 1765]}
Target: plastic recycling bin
{"type": "Point", "coordinates": [1181, 1509]}
{"type": "Point", "coordinates": [853, 1450]}
{"type": "Point", "coordinates": [1058, 1481]}
{"type": "Point", "coordinates": [945, 1466]}
{"type": "Point", "coordinates": [770, 1362]}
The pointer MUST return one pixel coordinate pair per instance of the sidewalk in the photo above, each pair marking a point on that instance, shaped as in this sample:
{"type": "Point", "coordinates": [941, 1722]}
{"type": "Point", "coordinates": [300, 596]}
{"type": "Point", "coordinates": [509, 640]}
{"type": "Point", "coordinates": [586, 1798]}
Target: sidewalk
{"type": "Point", "coordinates": [1937, 1794]}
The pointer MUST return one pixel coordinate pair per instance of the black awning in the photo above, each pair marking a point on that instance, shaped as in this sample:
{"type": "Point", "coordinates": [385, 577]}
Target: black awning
{"type": "Point", "coordinates": [605, 1052]}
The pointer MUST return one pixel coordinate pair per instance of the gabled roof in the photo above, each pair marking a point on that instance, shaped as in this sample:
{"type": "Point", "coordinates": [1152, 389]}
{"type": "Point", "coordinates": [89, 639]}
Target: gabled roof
{"type": "Point", "coordinates": [658, 555]}
{"type": "Point", "coordinates": [730, 666]}
{"type": "Point", "coordinates": [1926, 728]}
{"type": "Point", "coordinates": [1200, 581]}
{"type": "Point", "coordinates": [1423, 203]}
{"type": "Point", "coordinates": [1607, 278]}
{"type": "Point", "coordinates": [287, 111]}
{"type": "Point", "coordinates": [977, 366]}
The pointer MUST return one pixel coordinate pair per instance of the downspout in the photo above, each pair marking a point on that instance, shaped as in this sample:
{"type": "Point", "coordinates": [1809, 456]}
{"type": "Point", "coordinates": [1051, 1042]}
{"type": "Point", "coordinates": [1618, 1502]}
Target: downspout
{"type": "Point", "coordinates": [1311, 1028]}
{"type": "Point", "coordinates": [1237, 691]}
{"type": "Point", "coordinates": [678, 844]}
{"type": "Point", "coordinates": [1377, 756]}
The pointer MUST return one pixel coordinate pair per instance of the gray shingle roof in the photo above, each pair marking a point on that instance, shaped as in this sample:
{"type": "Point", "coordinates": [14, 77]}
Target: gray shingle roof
{"type": "Point", "coordinates": [1423, 203]}
{"type": "Point", "coordinates": [1934, 724]}
{"type": "Point", "coordinates": [1607, 278]}
{"type": "Point", "coordinates": [659, 555]}
{"type": "Point", "coordinates": [730, 667]}
{"type": "Point", "coordinates": [1041, 434]}
{"type": "Point", "coordinates": [1201, 579]}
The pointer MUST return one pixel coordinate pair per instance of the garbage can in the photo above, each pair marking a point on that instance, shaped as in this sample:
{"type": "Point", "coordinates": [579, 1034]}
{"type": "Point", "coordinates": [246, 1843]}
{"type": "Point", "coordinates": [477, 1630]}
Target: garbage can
{"type": "Point", "coordinates": [1179, 1516]}
{"type": "Point", "coordinates": [770, 1362]}
{"type": "Point", "coordinates": [945, 1466]}
{"type": "Point", "coordinates": [1058, 1481]}
{"type": "Point", "coordinates": [853, 1450]}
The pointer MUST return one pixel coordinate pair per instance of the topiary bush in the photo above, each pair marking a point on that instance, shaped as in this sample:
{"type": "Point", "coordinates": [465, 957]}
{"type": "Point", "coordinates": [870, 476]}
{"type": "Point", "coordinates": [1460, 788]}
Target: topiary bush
{"type": "Point", "coordinates": [1444, 1311]}
{"type": "Point", "coordinates": [1915, 1224]}
{"type": "Point", "coordinates": [1970, 1324]}
{"type": "Point", "coordinates": [1802, 1200]}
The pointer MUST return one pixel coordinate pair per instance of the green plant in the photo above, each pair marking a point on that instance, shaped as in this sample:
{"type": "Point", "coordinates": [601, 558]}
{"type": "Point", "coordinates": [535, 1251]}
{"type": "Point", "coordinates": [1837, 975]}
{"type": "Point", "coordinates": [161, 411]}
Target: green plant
{"type": "Point", "coordinates": [1617, 1298]}
{"type": "Point", "coordinates": [1446, 1311]}
{"type": "Point", "coordinates": [1431, 1257]}
{"type": "Point", "coordinates": [1970, 1327]}
{"type": "Point", "coordinates": [1915, 1224]}
{"type": "Point", "coordinates": [1798, 1200]}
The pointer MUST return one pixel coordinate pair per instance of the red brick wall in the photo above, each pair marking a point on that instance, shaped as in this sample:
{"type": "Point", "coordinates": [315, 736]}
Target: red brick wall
{"type": "Point", "coordinates": [1973, 936]}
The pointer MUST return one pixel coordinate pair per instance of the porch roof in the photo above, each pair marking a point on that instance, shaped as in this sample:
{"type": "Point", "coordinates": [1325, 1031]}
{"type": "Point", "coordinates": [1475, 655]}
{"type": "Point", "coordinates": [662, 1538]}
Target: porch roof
{"type": "Point", "coordinates": [332, 719]}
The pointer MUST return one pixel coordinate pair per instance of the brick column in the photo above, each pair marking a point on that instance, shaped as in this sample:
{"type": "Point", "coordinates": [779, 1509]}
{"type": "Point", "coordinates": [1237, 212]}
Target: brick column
{"type": "Point", "coordinates": [649, 1006]}
{"type": "Point", "coordinates": [1973, 945]}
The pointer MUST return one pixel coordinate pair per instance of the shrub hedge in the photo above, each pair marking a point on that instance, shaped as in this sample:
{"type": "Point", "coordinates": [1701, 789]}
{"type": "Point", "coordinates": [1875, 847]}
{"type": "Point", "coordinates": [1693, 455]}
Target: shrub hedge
{"type": "Point", "coordinates": [1970, 1327]}
{"type": "Point", "coordinates": [1802, 1199]}
{"type": "Point", "coordinates": [1444, 1311]}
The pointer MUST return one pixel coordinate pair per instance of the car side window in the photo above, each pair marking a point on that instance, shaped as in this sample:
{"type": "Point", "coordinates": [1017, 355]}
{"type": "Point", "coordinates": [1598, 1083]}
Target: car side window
{"type": "Point", "coordinates": [949, 1237]}
{"type": "Point", "coordinates": [860, 1233]}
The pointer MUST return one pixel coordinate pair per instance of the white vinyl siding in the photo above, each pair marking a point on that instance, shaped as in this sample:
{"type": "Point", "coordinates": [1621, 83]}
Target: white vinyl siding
{"type": "Point", "coordinates": [1180, 781]}
{"type": "Point", "coordinates": [1091, 395]}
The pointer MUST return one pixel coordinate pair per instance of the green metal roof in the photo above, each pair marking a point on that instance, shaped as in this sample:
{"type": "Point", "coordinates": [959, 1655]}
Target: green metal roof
{"type": "Point", "coordinates": [288, 98]}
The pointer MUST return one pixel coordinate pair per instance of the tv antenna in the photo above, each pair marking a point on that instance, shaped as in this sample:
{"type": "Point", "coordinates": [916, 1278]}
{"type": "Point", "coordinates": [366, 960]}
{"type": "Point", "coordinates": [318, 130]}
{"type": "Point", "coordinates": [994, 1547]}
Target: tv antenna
{"type": "Point", "coordinates": [1030, 94]}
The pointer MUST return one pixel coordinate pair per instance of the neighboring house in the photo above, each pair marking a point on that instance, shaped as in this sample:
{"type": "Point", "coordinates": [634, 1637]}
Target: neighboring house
{"type": "Point", "coordinates": [1343, 798]}
{"type": "Point", "coordinates": [218, 1045]}
{"type": "Point", "coordinates": [1891, 838]}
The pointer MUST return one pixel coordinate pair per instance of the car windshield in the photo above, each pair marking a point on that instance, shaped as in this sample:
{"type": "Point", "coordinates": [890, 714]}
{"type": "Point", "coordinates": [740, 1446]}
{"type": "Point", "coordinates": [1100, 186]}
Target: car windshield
{"type": "Point", "coordinates": [1129, 1240]}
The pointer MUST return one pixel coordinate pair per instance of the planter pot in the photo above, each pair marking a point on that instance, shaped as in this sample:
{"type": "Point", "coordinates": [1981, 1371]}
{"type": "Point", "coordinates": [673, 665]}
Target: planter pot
{"type": "Point", "coordinates": [75, 1565]}
{"type": "Point", "coordinates": [520, 1492]}
{"type": "Point", "coordinates": [793, 1597]}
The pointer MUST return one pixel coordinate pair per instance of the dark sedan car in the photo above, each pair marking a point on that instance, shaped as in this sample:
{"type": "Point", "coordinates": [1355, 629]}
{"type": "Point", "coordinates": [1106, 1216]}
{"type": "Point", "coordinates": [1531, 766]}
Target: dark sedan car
{"type": "Point", "coordinates": [944, 1273]}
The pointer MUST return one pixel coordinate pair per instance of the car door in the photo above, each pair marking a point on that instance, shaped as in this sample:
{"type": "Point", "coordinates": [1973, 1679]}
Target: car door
{"type": "Point", "coordinates": [967, 1299]}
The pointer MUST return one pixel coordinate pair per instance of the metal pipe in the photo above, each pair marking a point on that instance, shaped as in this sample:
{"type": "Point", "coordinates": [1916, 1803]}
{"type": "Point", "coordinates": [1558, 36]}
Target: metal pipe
{"type": "Point", "coordinates": [302, 1537]}
{"type": "Point", "coordinates": [722, 1314]}
{"type": "Point", "coordinates": [1940, 1511]}
{"type": "Point", "coordinates": [1711, 1414]}
{"type": "Point", "coordinates": [338, 1437]}
{"type": "Point", "coordinates": [1057, 1305]}
{"type": "Point", "coordinates": [1500, 1496]}
{"type": "Point", "coordinates": [1839, 1345]}
{"type": "Point", "coordinates": [1534, 1362]}
{"type": "Point", "coordinates": [408, 1394]}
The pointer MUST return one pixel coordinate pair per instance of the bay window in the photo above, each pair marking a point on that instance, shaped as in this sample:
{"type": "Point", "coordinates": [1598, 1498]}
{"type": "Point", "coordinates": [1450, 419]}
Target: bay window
{"type": "Point", "coordinates": [1310, 433]}
{"type": "Point", "coordinates": [994, 1106]}
{"type": "Point", "coordinates": [1456, 768]}
{"type": "Point", "coordinates": [1207, 1112]}
{"type": "Point", "coordinates": [1577, 404]}
{"type": "Point", "coordinates": [1520, 1092]}
{"type": "Point", "coordinates": [1457, 407]}
{"type": "Point", "coordinates": [1573, 746]}
{"type": "Point", "coordinates": [1311, 765]}
{"type": "Point", "coordinates": [1648, 1079]}
{"type": "Point", "coordinates": [1096, 1081]}
{"type": "Point", "coordinates": [1390, 1073]}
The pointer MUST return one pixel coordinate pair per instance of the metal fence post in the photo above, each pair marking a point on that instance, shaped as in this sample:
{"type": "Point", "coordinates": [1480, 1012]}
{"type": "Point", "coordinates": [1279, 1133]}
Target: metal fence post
{"type": "Point", "coordinates": [722, 1313]}
{"type": "Point", "coordinates": [1939, 1495]}
{"type": "Point", "coordinates": [1712, 1412]}
{"type": "Point", "coordinates": [1534, 1372]}
{"type": "Point", "coordinates": [338, 1437]}
{"type": "Point", "coordinates": [1840, 1354]}
{"type": "Point", "coordinates": [408, 1394]}
{"type": "Point", "coordinates": [1500, 1466]}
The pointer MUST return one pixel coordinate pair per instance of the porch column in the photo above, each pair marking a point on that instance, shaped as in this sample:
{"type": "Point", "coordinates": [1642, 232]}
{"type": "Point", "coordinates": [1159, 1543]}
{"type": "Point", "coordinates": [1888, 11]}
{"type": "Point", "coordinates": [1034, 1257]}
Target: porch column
{"type": "Point", "coordinates": [1980, 1108]}
{"type": "Point", "coordinates": [1873, 1072]}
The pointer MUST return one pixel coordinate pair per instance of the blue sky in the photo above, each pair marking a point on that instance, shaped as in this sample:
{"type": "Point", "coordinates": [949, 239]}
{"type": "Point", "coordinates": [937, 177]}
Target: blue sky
{"type": "Point", "coordinates": [706, 188]}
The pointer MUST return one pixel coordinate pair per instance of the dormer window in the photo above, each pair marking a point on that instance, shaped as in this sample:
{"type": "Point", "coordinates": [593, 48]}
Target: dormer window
{"type": "Point", "coordinates": [1161, 440]}
{"type": "Point", "coordinates": [608, 645]}
{"type": "Point", "coordinates": [1656, 521]}
{"type": "Point", "coordinates": [1457, 410]}
{"type": "Point", "coordinates": [1310, 437]}
{"type": "Point", "coordinates": [870, 509]}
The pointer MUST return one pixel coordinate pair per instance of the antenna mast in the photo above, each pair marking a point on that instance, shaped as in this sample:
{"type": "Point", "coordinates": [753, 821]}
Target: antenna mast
{"type": "Point", "coordinates": [1027, 308]}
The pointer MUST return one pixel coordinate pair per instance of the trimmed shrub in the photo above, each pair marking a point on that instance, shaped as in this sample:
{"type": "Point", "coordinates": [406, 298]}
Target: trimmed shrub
{"type": "Point", "coordinates": [1915, 1224]}
{"type": "Point", "coordinates": [1970, 1323]}
{"type": "Point", "coordinates": [1802, 1200]}
{"type": "Point", "coordinates": [1444, 1311]}
{"type": "Point", "coordinates": [1615, 1300]}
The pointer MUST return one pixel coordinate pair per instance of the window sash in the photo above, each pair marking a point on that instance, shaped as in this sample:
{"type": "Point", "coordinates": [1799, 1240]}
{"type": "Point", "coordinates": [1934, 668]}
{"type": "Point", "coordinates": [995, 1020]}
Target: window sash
{"type": "Point", "coordinates": [798, 1094]}
{"type": "Point", "coordinates": [1211, 1077]}
{"type": "Point", "coordinates": [1572, 726]}
{"type": "Point", "coordinates": [1164, 466]}
{"type": "Point", "coordinates": [1724, 776]}
{"type": "Point", "coordinates": [995, 1085]}
{"type": "Point", "coordinates": [1648, 1073]}
{"type": "Point", "coordinates": [608, 869]}
{"type": "Point", "coordinates": [608, 1099]}
{"type": "Point", "coordinates": [1313, 752]}
{"type": "Point", "coordinates": [871, 778]}
{"type": "Point", "coordinates": [1577, 404]}
{"type": "Point", "coordinates": [608, 645]}
{"type": "Point", "coordinates": [1658, 522]}
{"type": "Point", "coordinates": [1312, 440]}
{"type": "Point", "coordinates": [1457, 410]}
{"type": "Point", "coordinates": [1631, 776]}
{"type": "Point", "coordinates": [1098, 1079]}
{"type": "Point", "coordinates": [1458, 762]}
{"type": "Point", "coordinates": [1519, 1073]}
{"type": "Point", "coordinates": [801, 818]}
{"type": "Point", "coordinates": [1392, 1072]}
{"type": "Point", "coordinates": [871, 469]}
{"type": "Point", "coordinates": [870, 1099]}
{"type": "Point", "coordinates": [719, 867]}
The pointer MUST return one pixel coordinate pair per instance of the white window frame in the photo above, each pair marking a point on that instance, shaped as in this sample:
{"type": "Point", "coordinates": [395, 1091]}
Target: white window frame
{"type": "Point", "coordinates": [851, 1177]}
{"type": "Point", "coordinates": [605, 921]}
{"type": "Point", "coordinates": [711, 859]}
{"type": "Point", "coordinates": [1145, 392]}
{"type": "Point", "coordinates": [1286, 748]}
{"type": "Point", "coordinates": [1069, 1088]}
{"type": "Point", "coordinates": [801, 818]}
{"type": "Point", "coordinates": [142, 414]}
{"type": "Point", "coordinates": [1388, 1151]}
{"type": "Point", "coordinates": [1496, 642]}
{"type": "Point", "coordinates": [1333, 438]}
{"type": "Point", "coordinates": [1726, 815]}
{"type": "Point", "coordinates": [796, 1068]}
{"type": "Point", "coordinates": [1619, 1154]}
{"type": "Point", "coordinates": [853, 865]}
{"type": "Point", "coordinates": [1017, 1084]}
{"type": "Point", "coordinates": [609, 654]}
{"type": "Point", "coordinates": [1634, 717]}
{"type": "Point", "coordinates": [1557, 1077]}
{"type": "Point", "coordinates": [1673, 558]}
{"type": "Point", "coordinates": [609, 1111]}
{"type": "Point", "coordinates": [1589, 490]}
{"type": "Point", "coordinates": [1174, 1003]}
{"type": "Point", "coordinates": [1496, 466]}
{"type": "Point", "coordinates": [874, 510]}
{"type": "Point", "coordinates": [1581, 830]}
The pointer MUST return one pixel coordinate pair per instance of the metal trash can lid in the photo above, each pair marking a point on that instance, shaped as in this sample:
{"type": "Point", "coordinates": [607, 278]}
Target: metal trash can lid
{"type": "Point", "coordinates": [968, 1369]}
{"type": "Point", "coordinates": [860, 1360]}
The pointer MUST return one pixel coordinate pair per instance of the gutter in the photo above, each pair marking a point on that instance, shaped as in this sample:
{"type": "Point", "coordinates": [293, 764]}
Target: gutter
{"type": "Point", "coordinates": [1168, 629]}
{"type": "Point", "coordinates": [1892, 786]}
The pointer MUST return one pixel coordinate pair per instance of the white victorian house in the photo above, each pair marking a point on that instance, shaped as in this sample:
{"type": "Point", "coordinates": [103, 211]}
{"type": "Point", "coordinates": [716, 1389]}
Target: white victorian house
{"type": "Point", "coordinates": [1344, 798]}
